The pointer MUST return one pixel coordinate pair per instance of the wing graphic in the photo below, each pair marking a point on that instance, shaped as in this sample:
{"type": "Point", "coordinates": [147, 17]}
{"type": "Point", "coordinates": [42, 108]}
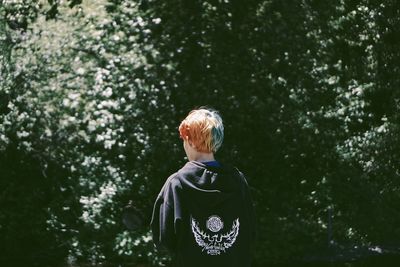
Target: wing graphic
{"type": "Point", "coordinates": [217, 243]}
{"type": "Point", "coordinates": [199, 235]}
{"type": "Point", "coordinates": [230, 238]}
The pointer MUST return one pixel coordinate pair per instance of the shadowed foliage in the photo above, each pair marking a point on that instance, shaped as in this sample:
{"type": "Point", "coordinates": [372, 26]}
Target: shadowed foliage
{"type": "Point", "coordinates": [92, 93]}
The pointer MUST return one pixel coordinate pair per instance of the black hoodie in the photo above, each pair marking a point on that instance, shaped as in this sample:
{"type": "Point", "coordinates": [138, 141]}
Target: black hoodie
{"type": "Point", "coordinates": [204, 216]}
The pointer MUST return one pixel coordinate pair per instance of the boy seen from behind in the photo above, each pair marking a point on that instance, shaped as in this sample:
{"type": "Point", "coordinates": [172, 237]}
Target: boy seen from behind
{"type": "Point", "coordinates": [203, 214]}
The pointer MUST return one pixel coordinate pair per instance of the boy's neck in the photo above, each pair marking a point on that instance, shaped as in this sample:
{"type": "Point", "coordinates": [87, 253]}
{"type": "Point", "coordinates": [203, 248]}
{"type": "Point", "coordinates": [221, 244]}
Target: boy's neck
{"type": "Point", "coordinates": [202, 157]}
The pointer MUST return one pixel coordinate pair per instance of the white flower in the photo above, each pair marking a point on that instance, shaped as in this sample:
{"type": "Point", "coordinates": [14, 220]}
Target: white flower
{"type": "Point", "coordinates": [147, 238]}
{"type": "Point", "coordinates": [66, 102]}
{"type": "Point", "coordinates": [108, 92]}
{"type": "Point", "coordinates": [92, 125]}
{"type": "Point", "coordinates": [80, 71]}
{"type": "Point", "coordinates": [84, 200]}
{"type": "Point", "coordinates": [73, 95]}
{"type": "Point", "coordinates": [22, 134]}
{"type": "Point", "coordinates": [99, 138]}
{"type": "Point", "coordinates": [85, 216]}
{"type": "Point", "coordinates": [382, 129]}
{"type": "Point", "coordinates": [108, 144]}
{"type": "Point", "coordinates": [156, 20]}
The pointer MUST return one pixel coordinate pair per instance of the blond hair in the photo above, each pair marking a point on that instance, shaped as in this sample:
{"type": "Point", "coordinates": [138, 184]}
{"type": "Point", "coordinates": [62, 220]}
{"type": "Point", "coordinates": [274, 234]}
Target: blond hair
{"type": "Point", "coordinates": [204, 128]}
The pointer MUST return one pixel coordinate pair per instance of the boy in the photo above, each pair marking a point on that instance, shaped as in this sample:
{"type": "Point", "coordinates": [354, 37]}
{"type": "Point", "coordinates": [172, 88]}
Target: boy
{"type": "Point", "coordinates": [204, 214]}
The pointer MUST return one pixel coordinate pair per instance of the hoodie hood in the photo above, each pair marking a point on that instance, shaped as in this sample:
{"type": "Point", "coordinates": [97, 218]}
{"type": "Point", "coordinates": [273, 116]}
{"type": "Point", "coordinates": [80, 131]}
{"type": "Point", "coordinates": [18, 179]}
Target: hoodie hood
{"type": "Point", "coordinates": [207, 185]}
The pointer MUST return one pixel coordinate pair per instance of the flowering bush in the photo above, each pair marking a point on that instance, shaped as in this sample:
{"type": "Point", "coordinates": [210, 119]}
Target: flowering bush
{"type": "Point", "coordinates": [92, 93]}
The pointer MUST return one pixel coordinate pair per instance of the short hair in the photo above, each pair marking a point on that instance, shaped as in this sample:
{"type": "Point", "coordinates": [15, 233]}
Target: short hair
{"type": "Point", "coordinates": [204, 128]}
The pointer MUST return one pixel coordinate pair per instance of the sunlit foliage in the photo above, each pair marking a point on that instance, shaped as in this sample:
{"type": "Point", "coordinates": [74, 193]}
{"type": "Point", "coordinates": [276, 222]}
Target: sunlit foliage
{"type": "Point", "coordinates": [92, 92]}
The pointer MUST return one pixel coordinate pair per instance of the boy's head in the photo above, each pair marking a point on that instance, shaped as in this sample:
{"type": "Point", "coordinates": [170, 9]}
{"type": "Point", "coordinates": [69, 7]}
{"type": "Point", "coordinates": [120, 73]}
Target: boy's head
{"type": "Point", "coordinates": [203, 129]}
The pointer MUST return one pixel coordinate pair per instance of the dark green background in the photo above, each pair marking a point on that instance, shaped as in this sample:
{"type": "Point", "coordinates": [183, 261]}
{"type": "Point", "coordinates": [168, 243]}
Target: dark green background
{"type": "Point", "coordinates": [309, 94]}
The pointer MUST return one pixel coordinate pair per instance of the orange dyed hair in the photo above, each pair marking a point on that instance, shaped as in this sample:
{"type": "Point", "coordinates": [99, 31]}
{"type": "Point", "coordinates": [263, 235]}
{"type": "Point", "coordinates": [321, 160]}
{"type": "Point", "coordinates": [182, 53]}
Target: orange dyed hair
{"type": "Point", "coordinates": [203, 127]}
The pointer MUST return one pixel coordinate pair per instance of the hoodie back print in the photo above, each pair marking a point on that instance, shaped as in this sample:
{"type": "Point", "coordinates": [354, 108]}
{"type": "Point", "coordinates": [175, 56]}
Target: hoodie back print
{"type": "Point", "coordinates": [204, 216]}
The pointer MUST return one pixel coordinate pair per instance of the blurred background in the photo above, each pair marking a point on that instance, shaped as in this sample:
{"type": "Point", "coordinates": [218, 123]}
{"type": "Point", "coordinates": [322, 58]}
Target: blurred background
{"type": "Point", "coordinates": [92, 93]}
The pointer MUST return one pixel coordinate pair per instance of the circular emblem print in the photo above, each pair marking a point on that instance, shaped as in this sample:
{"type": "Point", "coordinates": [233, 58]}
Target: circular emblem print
{"type": "Point", "coordinates": [214, 223]}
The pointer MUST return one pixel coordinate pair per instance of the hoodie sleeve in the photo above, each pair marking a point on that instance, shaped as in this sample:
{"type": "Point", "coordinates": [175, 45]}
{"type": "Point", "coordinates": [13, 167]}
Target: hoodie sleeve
{"type": "Point", "coordinates": [167, 215]}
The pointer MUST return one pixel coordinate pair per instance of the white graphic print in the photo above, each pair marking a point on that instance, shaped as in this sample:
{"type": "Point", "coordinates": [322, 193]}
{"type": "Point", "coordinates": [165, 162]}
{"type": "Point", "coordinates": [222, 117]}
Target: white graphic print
{"type": "Point", "coordinates": [216, 243]}
{"type": "Point", "coordinates": [214, 223]}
